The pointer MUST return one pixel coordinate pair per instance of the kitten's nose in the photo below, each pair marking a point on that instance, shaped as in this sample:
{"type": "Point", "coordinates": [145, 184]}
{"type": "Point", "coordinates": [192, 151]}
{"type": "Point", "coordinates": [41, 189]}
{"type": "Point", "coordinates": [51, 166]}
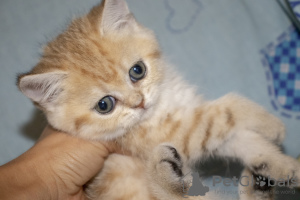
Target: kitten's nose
{"type": "Point", "coordinates": [141, 105]}
{"type": "Point", "coordinates": [136, 100]}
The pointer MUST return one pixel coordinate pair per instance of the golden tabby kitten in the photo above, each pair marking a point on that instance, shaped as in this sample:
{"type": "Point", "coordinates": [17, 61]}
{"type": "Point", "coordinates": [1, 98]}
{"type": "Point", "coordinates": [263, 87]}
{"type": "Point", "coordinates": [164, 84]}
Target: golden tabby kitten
{"type": "Point", "coordinates": [104, 78]}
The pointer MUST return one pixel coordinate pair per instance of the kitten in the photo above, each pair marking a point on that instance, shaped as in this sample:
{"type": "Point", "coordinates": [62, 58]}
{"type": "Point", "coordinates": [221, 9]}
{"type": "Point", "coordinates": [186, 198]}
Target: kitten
{"type": "Point", "coordinates": [104, 78]}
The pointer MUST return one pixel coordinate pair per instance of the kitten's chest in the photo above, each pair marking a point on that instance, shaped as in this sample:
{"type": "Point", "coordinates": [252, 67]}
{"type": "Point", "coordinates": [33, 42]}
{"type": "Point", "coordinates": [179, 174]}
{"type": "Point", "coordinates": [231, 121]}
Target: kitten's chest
{"type": "Point", "coordinates": [169, 127]}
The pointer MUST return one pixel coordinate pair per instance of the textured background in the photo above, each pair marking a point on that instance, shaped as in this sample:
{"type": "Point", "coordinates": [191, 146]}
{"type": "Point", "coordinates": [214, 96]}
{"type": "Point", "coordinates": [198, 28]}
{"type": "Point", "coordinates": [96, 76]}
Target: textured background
{"type": "Point", "coordinates": [221, 46]}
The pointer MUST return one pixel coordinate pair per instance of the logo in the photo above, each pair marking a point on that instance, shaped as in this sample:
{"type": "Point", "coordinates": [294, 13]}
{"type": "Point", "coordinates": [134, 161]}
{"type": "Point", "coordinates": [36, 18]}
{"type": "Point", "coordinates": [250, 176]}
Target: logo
{"type": "Point", "coordinates": [245, 181]}
{"type": "Point", "coordinates": [192, 185]}
{"type": "Point", "coordinates": [261, 181]}
{"type": "Point", "coordinates": [197, 188]}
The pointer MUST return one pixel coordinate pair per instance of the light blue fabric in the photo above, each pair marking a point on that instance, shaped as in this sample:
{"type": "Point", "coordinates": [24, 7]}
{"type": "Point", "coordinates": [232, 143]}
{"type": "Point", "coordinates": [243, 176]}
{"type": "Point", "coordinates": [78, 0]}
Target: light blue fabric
{"type": "Point", "coordinates": [220, 46]}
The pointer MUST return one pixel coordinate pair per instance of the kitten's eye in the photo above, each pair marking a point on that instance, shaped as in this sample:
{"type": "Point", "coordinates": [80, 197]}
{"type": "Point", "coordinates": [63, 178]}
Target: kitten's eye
{"type": "Point", "coordinates": [105, 105]}
{"type": "Point", "coordinates": [137, 72]}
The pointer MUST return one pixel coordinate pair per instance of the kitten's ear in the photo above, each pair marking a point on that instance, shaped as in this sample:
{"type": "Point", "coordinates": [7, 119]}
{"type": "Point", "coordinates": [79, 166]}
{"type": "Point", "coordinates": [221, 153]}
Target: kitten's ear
{"type": "Point", "coordinates": [41, 88]}
{"type": "Point", "coordinates": [116, 16]}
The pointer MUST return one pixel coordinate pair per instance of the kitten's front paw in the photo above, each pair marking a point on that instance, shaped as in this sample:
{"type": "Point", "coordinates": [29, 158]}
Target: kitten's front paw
{"type": "Point", "coordinates": [168, 169]}
{"type": "Point", "coordinates": [170, 159]}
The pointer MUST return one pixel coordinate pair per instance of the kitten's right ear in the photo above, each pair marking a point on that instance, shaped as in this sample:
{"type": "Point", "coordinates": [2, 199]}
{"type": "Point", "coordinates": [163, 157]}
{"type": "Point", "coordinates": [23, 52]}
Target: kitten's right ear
{"type": "Point", "coordinates": [114, 15]}
{"type": "Point", "coordinates": [41, 88]}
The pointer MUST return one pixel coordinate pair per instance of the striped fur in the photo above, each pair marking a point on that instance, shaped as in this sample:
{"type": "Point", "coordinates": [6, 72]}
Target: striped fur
{"type": "Point", "coordinates": [94, 58]}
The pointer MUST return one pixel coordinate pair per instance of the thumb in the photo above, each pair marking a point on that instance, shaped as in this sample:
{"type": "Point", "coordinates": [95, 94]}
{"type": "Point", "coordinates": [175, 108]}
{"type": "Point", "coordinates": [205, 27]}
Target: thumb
{"type": "Point", "coordinates": [75, 160]}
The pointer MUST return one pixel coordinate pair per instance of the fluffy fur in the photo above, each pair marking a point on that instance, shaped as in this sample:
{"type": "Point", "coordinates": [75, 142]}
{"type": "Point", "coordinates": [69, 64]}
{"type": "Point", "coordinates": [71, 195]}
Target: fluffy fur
{"type": "Point", "coordinates": [159, 122]}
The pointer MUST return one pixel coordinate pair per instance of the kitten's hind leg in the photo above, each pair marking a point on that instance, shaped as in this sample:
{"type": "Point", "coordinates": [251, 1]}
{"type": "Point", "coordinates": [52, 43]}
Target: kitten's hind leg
{"type": "Point", "coordinates": [261, 156]}
{"type": "Point", "coordinates": [251, 116]}
{"type": "Point", "coordinates": [259, 190]}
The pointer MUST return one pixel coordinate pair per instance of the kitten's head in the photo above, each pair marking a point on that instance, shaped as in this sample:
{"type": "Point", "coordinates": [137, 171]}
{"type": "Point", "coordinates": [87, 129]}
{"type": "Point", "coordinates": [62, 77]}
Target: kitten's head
{"type": "Point", "coordinates": [100, 77]}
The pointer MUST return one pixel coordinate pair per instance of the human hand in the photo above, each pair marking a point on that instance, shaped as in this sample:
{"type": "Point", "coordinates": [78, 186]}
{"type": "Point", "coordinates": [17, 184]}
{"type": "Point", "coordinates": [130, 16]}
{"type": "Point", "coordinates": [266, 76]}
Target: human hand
{"type": "Point", "coordinates": [56, 167]}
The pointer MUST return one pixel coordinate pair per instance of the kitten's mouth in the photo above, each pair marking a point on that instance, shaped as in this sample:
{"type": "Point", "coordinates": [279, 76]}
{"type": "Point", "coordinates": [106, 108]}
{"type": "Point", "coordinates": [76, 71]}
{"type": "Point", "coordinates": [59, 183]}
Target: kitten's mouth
{"type": "Point", "coordinates": [146, 111]}
{"type": "Point", "coordinates": [144, 105]}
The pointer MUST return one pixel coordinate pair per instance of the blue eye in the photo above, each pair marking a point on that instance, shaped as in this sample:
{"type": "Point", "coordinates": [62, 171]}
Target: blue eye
{"type": "Point", "coordinates": [105, 105]}
{"type": "Point", "coordinates": [137, 71]}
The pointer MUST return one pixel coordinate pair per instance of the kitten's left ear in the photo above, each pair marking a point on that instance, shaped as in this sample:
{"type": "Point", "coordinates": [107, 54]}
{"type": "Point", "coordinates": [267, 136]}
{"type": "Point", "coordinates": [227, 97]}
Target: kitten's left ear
{"type": "Point", "coordinates": [116, 16]}
{"type": "Point", "coordinates": [42, 88]}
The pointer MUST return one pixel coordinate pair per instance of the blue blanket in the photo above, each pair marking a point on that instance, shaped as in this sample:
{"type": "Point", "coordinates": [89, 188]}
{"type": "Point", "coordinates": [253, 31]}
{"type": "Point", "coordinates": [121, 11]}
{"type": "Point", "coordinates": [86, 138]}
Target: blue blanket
{"type": "Point", "coordinates": [249, 47]}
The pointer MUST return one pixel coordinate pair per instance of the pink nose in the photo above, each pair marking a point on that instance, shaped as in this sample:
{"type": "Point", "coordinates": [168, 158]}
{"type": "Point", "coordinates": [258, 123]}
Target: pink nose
{"type": "Point", "coordinates": [141, 105]}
